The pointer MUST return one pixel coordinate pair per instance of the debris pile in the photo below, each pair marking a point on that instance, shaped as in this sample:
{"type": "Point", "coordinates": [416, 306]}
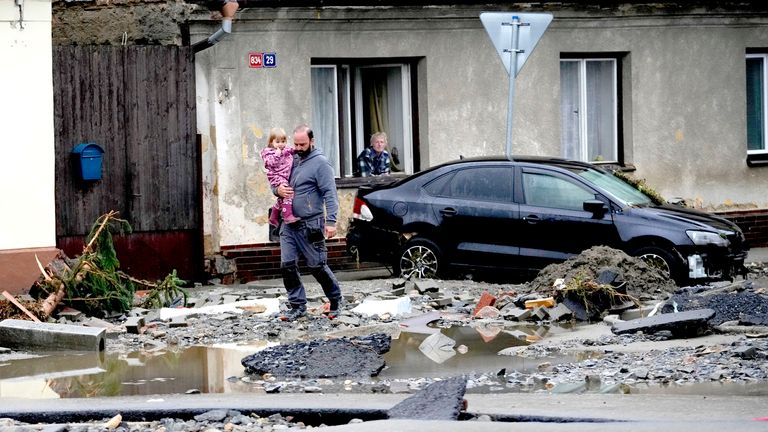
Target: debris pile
{"type": "Point", "coordinates": [640, 279]}
{"type": "Point", "coordinates": [93, 282]}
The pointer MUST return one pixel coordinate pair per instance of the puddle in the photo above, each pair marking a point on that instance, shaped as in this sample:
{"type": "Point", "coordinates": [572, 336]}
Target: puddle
{"type": "Point", "coordinates": [218, 369]}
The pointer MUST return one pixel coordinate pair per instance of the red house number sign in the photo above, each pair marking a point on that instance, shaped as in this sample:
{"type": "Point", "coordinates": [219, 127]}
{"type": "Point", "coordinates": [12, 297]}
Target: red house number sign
{"type": "Point", "coordinates": [255, 60]}
{"type": "Point", "coordinates": [262, 60]}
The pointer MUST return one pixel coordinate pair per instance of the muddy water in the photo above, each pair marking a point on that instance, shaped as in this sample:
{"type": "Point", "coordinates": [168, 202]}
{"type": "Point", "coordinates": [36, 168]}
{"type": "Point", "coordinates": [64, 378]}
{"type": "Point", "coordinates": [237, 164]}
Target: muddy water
{"type": "Point", "coordinates": [218, 369]}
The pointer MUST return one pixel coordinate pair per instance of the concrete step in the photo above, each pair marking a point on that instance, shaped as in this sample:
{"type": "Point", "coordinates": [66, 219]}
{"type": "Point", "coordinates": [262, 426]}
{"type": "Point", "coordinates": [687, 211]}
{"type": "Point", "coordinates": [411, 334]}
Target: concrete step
{"type": "Point", "coordinates": [30, 335]}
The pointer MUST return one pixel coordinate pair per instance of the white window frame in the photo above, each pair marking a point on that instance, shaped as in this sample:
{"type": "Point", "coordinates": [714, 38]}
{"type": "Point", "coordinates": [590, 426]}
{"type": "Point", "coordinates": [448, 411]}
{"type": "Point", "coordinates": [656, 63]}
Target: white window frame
{"type": "Point", "coordinates": [764, 102]}
{"type": "Point", "coordinates": [361, 142]}
{"type": "Point", "coordinates": [583, 104]}
{"type": "Point", "coordinates": [353, 91]}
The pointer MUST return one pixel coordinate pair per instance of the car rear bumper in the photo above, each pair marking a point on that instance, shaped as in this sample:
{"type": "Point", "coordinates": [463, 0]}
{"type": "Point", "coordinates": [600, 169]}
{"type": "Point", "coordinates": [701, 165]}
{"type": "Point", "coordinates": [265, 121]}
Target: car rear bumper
{"type": "Point", "coordinates": [369, 243]}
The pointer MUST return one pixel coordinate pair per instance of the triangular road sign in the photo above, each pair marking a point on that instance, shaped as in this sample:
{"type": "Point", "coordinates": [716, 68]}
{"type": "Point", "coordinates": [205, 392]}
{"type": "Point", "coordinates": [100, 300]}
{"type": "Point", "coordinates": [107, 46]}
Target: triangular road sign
{"type": "Point", "coordinates": [497, 24]}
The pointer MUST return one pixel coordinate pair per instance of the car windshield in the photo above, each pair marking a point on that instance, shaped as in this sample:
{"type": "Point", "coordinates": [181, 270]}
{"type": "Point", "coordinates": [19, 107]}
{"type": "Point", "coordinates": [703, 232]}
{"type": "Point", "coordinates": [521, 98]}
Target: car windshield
{"type": "Point", "coordinates": [628, 195]}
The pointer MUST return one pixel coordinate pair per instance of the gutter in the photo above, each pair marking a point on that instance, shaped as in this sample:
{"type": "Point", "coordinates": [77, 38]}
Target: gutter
{"type": "Point", "coordinates": [228, 9]}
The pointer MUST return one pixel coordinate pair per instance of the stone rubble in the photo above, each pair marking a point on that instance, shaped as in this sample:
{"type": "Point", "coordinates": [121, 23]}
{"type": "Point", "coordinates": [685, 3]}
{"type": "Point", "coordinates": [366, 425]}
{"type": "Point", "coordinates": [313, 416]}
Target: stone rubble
{"type": "Point", "coordinates": [594, 366]}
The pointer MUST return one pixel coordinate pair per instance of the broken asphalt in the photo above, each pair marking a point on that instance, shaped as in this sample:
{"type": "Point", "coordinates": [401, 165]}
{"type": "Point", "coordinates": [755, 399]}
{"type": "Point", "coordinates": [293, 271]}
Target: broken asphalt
{"type": "Point", "coordinates": [536, 412]}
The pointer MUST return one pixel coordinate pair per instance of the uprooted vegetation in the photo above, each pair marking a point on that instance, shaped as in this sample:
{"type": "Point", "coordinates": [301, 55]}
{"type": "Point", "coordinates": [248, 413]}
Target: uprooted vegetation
{"type": "Point", "coordinates": [594, 295]}
{"type": "Point", "coordinates": [93, 282]}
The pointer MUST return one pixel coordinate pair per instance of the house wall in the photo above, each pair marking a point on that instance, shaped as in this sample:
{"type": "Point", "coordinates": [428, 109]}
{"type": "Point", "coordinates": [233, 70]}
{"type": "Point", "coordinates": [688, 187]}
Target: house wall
{"type": "Point", "coordinates": [27, 219]}
{"type": "Point", "coordinates": [683, 98]}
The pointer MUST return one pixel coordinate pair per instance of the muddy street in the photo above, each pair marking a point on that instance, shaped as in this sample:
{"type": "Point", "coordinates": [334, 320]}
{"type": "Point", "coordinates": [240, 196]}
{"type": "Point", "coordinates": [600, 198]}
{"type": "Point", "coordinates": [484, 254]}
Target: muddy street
{"type": "Point", "coordinates": [230, 341]}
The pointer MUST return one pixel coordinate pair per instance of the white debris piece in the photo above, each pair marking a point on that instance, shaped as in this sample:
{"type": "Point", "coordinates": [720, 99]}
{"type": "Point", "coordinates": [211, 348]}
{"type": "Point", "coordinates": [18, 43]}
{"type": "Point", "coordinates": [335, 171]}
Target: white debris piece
{"type": "Point", "coordinates": [370, 306]}
{"type": "Point", "coordinates": [438, 347]}
{"type": "Point", "coordinates": [272, 306]}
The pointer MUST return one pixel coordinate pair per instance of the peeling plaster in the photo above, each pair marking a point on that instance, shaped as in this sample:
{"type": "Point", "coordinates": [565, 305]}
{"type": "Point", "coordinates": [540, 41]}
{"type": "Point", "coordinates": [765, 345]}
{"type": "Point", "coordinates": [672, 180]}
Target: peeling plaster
{"type": "Point", "coordinates": [679, 136]}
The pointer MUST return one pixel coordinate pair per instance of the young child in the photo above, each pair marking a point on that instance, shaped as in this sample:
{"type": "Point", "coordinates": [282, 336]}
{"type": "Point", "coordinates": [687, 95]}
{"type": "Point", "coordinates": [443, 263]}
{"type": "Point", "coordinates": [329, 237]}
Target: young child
{"type": "Point", "coordinates": [278, 160]}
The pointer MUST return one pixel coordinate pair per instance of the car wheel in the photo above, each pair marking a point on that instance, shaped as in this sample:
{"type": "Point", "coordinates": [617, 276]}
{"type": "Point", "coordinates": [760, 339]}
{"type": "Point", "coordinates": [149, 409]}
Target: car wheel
{"type": "Point", "coordinates": [420, 259]}
{"type": "Point", "coordinates": [661, 259]}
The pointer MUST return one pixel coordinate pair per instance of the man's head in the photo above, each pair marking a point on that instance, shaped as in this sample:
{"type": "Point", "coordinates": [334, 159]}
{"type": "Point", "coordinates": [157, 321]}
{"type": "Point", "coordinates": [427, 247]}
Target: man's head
{"type": "Point", "coordinates": [379, 142]}
{"type": "Point", "coordinates": [303, 140]}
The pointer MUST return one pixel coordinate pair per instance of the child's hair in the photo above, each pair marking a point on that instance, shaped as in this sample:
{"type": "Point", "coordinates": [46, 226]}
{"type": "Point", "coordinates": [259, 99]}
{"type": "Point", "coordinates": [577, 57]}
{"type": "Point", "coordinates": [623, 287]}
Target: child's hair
{"type": "Point", "coordinates": [274, 134]}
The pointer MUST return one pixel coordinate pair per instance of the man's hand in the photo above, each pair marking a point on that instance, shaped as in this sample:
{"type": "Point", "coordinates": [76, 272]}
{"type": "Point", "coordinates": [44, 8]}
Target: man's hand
{"type": "Point", "coordinates": [330, 231]}
{"type": "Point", "coordinates": [285, 191]}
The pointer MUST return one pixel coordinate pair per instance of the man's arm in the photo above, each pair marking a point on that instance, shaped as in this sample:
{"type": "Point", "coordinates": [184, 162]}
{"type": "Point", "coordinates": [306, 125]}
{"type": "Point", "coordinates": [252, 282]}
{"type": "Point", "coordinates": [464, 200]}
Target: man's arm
{"type": "Point", "coordinates": [326, 184]}
{"type": "Point", "coordinates": [365, 163]}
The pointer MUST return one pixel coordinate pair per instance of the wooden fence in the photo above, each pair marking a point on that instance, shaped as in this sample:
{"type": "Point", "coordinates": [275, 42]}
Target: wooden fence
{"type": "Point", "coordinates": [138, 104]}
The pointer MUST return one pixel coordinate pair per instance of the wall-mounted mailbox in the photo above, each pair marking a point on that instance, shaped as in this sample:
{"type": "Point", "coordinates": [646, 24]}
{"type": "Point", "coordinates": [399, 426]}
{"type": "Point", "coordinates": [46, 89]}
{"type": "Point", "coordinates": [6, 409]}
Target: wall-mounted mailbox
{"type": "Point", "coordinates": [88, 158]}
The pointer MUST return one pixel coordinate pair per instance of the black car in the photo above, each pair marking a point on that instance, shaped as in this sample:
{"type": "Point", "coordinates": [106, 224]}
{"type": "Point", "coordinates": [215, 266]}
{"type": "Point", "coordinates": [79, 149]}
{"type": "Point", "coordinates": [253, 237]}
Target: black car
{"type": "Point", "coordinates": [496, 213]}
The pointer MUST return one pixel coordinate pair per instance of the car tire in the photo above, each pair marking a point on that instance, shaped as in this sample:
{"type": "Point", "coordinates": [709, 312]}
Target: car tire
{"type": "Point", "coordinates": [420, 259]}
{"type": "Point", "coordinates": [663, 260]}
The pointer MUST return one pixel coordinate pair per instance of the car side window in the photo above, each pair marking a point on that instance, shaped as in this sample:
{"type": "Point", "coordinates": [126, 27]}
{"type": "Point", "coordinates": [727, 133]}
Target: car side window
{"type": "Point", "coordinates": [482, 183]}
{"type": "Point", "coordinates": [439, 186]}
{"type": "Point", "coordinates": [549, 191]}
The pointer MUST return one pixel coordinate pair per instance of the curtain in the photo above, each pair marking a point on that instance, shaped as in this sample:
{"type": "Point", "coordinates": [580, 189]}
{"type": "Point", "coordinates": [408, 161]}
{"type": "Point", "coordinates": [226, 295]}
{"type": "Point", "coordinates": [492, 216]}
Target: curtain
{"type": "Point", "coordinates": [569, 110]}
{"type": "Point", "coordinates": [325, 122]}
{"type": "Point", "coordinates": [755, 103]}
{"type": "Point", "coordinates": [601, 110]}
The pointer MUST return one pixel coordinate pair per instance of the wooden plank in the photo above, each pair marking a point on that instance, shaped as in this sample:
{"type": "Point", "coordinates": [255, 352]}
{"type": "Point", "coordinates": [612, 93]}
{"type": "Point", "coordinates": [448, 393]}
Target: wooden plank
{"type": "Point", "coordinates": [21, 307]}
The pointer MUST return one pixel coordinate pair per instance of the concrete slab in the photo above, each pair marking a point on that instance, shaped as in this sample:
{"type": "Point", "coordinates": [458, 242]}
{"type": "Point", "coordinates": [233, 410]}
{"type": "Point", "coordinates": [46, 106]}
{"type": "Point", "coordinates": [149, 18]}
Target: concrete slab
{"type": "Point", "coordinates": [31, 335]}
{"type": "Point", "coordinates": [441, 400]}
{"type": "Point", "coordinates": [681, 324]}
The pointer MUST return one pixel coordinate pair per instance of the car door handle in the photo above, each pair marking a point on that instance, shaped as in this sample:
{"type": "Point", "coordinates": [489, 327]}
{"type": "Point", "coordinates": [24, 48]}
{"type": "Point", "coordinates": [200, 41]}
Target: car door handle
{"type": "Point", "coordinates": [448, 211]}
{"type": "Point", "coordinates": [531, 219]}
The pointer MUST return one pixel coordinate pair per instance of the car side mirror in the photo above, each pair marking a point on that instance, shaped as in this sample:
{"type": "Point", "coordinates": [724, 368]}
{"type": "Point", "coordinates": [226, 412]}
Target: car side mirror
{"type": "Point", "coordinates": [596, 207]}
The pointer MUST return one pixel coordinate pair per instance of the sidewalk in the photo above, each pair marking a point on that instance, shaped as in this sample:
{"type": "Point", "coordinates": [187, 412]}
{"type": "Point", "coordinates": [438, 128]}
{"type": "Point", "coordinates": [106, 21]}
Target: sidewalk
{"type": "Point", "coordinates": [758, 255]}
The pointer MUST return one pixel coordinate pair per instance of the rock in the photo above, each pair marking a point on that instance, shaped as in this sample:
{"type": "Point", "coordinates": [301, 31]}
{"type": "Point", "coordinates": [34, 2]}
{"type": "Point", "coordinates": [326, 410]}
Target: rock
{"type": "Point", "coordinates": [426, 285]}
{"type": "Point", "coordinates": [559, 313]}
{"type": "Point", "coordinates": [212, 416]}
{"type": "Point", "coordinates": [486, 299]}
{"type": "Point", "coordinates": [745, 352]}
{"type": "Point", "coordinates": [134, 324]}
{"type": "Point", "coordinates": [487, 312]}
{"type": "Point", "coordinates": [515, 313]}
{"type": "Point", "coordinates": [579, 310]}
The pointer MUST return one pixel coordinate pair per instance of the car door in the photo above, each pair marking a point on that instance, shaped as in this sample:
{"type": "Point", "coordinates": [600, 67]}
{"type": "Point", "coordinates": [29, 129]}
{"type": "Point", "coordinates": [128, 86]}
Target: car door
{"type": "Point", "coordinates": [475, 207]}
{"type": "Point", "coordinates": [553, 223]}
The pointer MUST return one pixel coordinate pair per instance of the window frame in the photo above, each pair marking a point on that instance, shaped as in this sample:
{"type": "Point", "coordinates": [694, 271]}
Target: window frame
{"type": "Point", "coordinates": [349, 114]}
{"type": "Point", "coordinates": [617, 127]}
{"type": "Point", "coordinates": [763, 101]}
{"type": "Point", "coordinates": [553, 177]}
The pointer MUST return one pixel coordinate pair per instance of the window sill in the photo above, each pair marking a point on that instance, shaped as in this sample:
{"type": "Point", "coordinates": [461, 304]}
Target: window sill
{"type": "Point", "coordinates": [757, 160]}
{"type": "Point", "coordinates": [615, 166]}
{"type": "Point", "coordinates": [356, 182]}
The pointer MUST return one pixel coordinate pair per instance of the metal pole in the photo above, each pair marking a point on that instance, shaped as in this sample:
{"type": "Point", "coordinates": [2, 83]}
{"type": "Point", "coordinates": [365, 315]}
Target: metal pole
{"type": "Point", "coordinates": [512, 72]}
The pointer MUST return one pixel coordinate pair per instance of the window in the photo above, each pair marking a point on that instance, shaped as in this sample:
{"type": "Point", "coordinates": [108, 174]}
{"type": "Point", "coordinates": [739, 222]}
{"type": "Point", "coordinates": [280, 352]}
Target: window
{"type": "Point", "coordinates": [351, 101]}
{"type": "Point", "coordinates": [483, 184]}
{"type": "Point", "coordinates": [548, 191]}
{"type": "Point", "coordinates": [589, 109]}
{"type": "Point", "coordinates": [756, 103]}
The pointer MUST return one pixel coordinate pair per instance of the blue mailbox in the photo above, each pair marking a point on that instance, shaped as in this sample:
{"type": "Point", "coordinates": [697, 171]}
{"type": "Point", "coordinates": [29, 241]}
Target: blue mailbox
{"type": "Point", "coordinates": [88, 158]}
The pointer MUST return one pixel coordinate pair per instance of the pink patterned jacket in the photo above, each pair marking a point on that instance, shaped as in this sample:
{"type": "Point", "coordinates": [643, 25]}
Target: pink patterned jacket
{"type": "Point", "coordinates": [278, 166]}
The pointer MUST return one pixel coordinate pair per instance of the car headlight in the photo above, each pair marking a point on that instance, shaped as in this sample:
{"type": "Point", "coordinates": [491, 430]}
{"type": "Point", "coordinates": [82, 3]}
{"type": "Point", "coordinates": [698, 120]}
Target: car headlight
{"type": "Point", "coordinates": [703, 238]}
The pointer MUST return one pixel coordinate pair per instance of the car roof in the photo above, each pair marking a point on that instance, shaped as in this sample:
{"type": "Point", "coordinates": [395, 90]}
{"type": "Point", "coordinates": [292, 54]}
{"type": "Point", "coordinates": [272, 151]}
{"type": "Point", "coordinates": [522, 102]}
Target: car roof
{"type": "Point", "coordinates": [536, 160]}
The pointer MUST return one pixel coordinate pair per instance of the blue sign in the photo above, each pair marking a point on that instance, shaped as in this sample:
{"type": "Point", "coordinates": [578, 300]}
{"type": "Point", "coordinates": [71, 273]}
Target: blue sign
{"type": "Point", "coordinates": [270, 60]}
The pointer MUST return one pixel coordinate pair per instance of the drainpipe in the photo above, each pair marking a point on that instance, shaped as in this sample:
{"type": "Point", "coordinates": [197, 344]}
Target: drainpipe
{"type": "Point", "coordinates": [228, 10]}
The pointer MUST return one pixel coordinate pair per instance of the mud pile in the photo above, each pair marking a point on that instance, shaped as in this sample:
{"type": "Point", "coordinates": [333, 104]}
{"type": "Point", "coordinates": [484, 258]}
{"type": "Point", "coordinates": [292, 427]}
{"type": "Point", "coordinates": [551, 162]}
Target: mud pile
{"type": "Point", "coordinates": [640, 279]}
